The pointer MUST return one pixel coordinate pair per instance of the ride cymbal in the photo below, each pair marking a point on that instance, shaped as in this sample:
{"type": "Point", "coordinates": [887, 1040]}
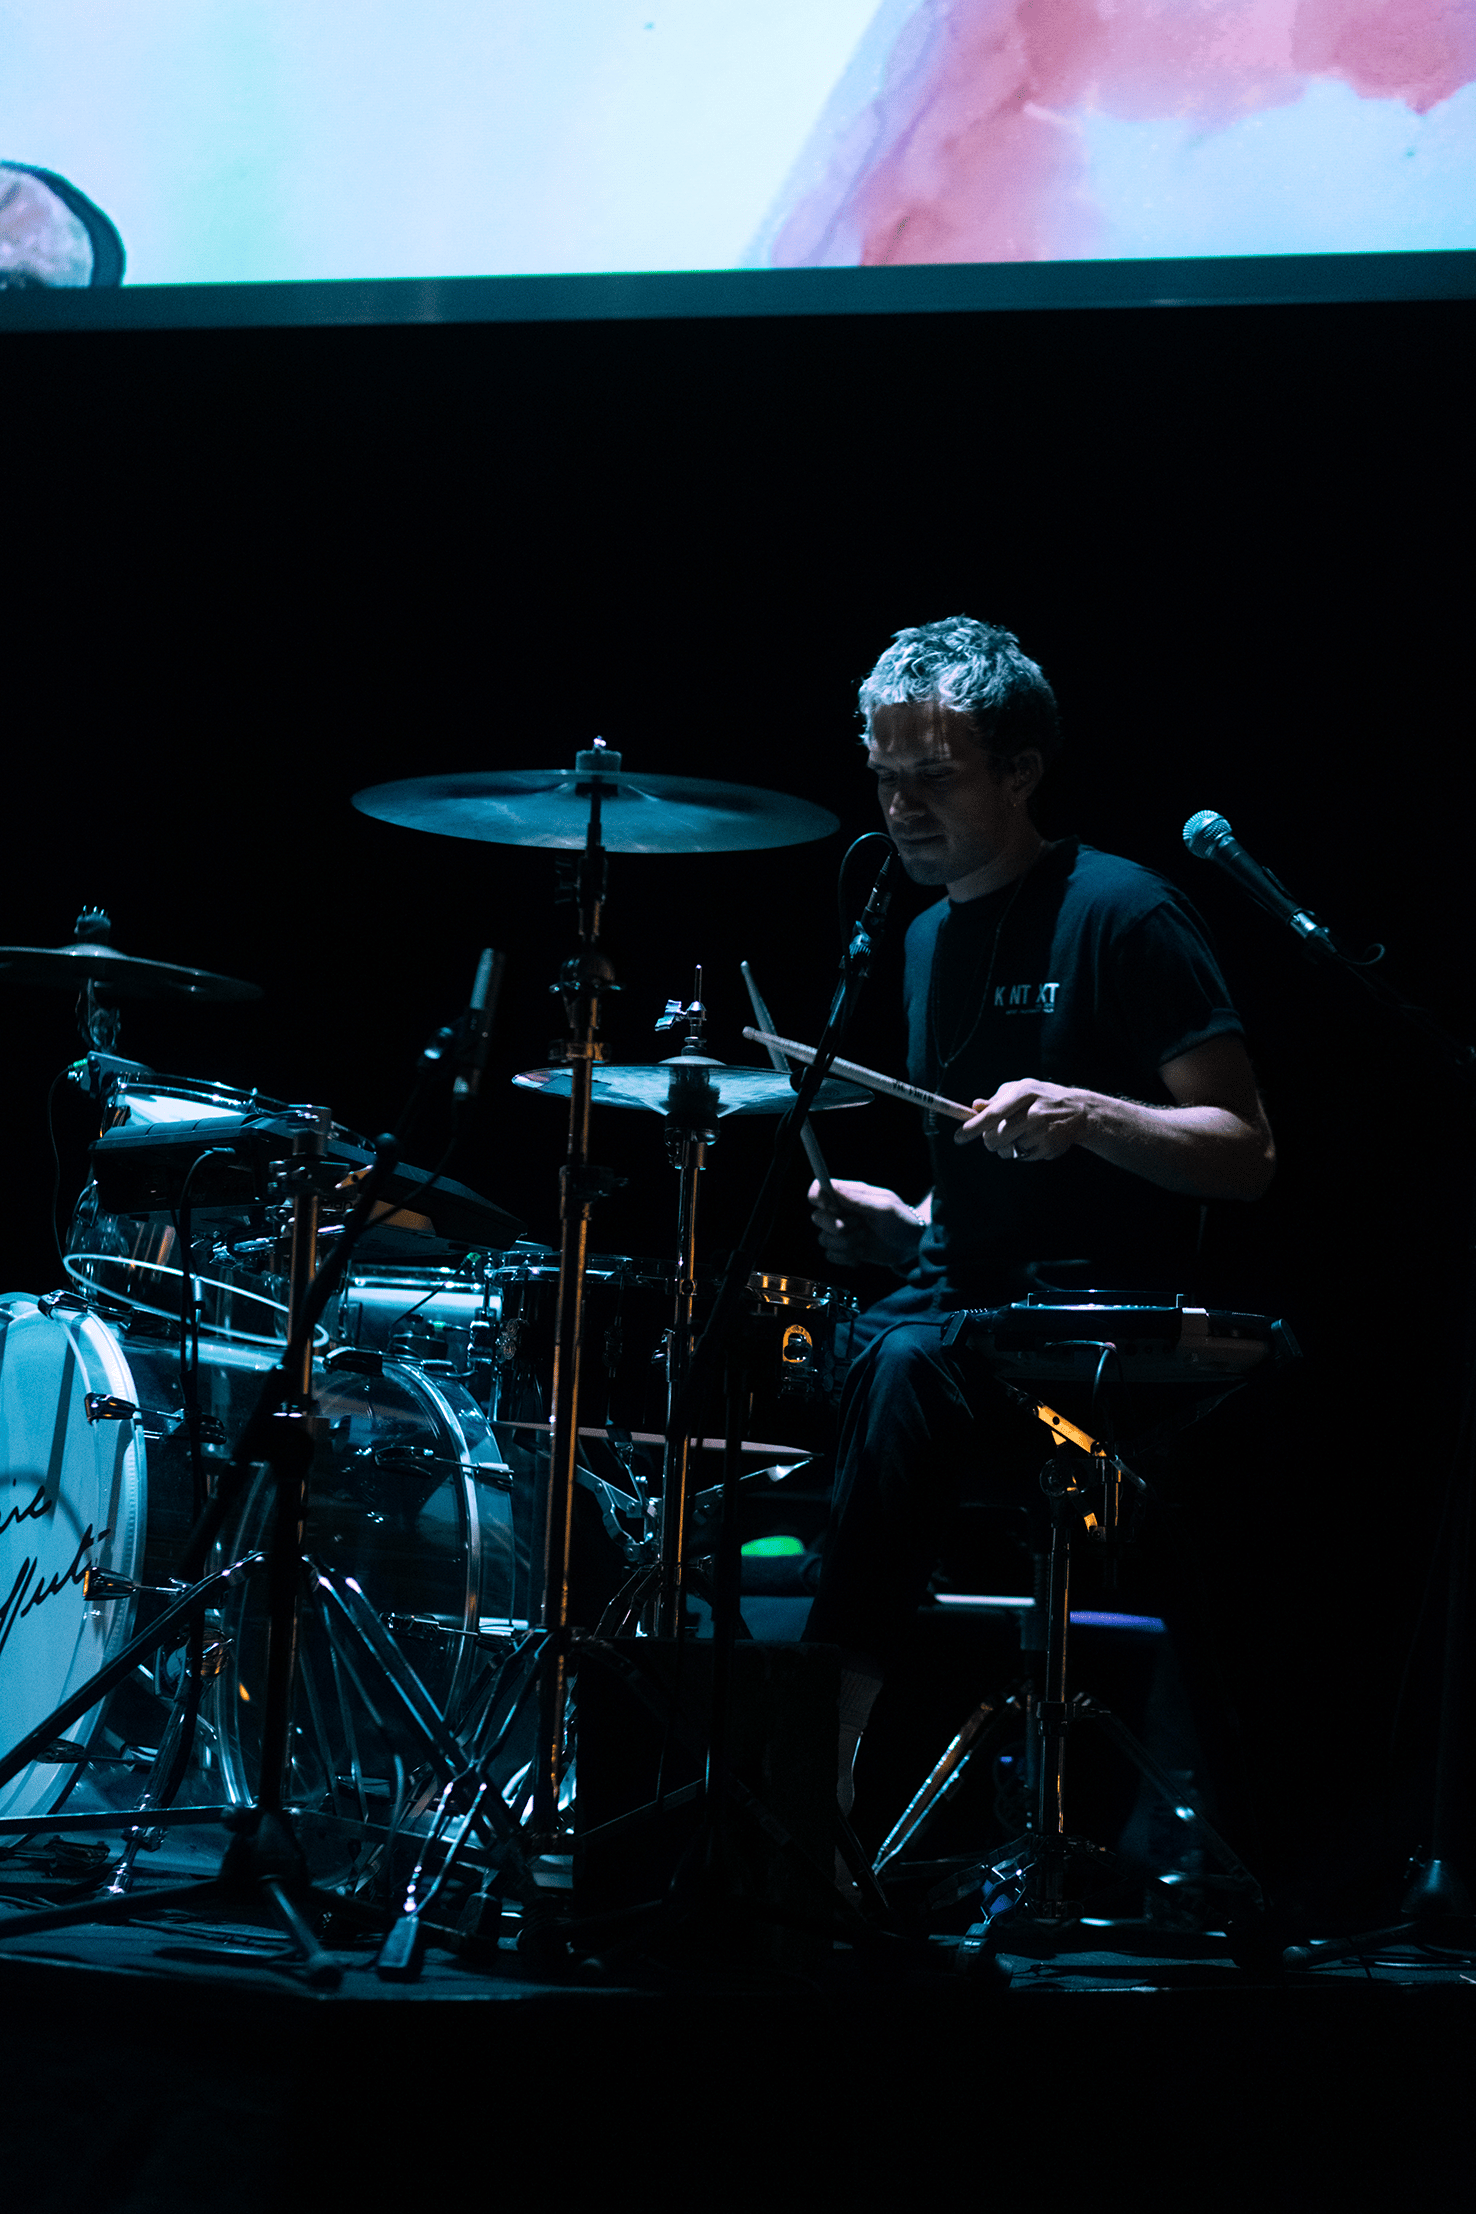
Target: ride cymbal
{"type": "Point", "coordinates": [638, 814]}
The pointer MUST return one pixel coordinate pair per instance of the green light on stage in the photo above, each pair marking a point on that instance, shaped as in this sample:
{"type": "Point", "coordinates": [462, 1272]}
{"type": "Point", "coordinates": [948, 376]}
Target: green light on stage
{"type": "Point", "coordinates": [773, 1548]}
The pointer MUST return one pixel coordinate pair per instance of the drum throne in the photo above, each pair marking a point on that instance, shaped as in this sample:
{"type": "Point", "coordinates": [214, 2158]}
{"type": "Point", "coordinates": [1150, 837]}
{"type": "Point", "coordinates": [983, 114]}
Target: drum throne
{"type": "Point", "coordinates": [1065, 1352]}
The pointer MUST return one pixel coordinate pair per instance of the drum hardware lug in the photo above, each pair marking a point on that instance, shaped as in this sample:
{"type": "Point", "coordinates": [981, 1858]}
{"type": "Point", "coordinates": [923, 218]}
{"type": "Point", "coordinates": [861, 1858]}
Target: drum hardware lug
{"type": "Point", "coordinates": [101, 1406]}
{"type": "Point", "coordinates": [356, 1360]}
{"type": "Point", "coordinates": [62, 1753]}
{"type": "Point", "coordinates": [50, 1301]}
{"type": "Point", "coordinates": [101, 1583]}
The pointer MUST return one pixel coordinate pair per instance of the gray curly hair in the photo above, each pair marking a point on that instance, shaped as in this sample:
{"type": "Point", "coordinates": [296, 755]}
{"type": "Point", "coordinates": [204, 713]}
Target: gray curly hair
{"type": "Point", "coordinates": [978, 670]}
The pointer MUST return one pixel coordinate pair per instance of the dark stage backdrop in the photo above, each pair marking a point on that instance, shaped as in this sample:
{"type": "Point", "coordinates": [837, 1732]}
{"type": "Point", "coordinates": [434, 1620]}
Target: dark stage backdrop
{"type": "Point", "coordinates": [247, 573]}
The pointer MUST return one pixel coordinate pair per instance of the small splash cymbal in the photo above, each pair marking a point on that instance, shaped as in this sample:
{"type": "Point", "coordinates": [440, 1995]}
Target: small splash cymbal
{"type": "Point", "coordinates": [122, 975]}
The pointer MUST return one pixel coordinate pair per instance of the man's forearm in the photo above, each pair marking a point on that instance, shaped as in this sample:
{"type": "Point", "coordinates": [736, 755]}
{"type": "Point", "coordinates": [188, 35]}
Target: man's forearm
{"type": "Point", "coordinates": [1204, 1150]}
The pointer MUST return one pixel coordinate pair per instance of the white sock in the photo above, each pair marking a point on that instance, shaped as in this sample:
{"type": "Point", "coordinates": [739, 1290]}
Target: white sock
{"type": "Point", "coordinates": [858, 1691]}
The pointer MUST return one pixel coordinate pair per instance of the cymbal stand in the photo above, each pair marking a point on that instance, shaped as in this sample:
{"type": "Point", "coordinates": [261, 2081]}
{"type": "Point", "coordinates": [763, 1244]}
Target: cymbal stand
{"type": "Point", "coordinates": [585, 977]}
{"type": "Point", "coordinates": [691, 1127]}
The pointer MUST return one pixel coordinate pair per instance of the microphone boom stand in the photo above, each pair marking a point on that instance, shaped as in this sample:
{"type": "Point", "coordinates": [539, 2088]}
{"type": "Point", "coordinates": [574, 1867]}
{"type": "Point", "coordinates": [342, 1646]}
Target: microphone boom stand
{"type": "Point", "coordinates": [1439, 1895]}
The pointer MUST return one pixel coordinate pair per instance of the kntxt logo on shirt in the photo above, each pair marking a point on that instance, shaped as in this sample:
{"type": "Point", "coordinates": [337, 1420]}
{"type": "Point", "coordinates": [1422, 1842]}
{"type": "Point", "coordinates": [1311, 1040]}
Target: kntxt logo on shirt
{"type": "Point", "coordinates": [1026, 999]}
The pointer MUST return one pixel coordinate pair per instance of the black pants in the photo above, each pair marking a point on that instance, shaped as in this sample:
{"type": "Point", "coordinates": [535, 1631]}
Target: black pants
{"type": "Point", "coordinates": [921, 1428]}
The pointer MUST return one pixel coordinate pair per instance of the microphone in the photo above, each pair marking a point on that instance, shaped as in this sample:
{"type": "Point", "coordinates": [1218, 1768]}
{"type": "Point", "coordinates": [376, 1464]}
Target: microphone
{"type": "Point", "coordinates": [1210, 838]}
{"type": "Point", "coordinates": [874, 914]}
{"type": "Point", "coordinates": [477, 1040]}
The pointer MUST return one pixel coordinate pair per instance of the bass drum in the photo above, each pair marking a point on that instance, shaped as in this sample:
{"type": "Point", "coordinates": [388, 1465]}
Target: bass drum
{"type": "Point", "coordinates": [410, 1497]}
{"type": "Point", "coordinates": [94, 1473]}
{"type": "Point", "coordinates": [408, 1494]}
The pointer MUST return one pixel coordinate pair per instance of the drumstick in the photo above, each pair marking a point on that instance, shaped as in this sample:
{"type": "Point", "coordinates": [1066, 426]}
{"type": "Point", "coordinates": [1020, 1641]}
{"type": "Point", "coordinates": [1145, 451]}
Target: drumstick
{"type": "Point", "coordinates": [853, 1074]}
{"type": "Point", "coordinates": [808, 1138]}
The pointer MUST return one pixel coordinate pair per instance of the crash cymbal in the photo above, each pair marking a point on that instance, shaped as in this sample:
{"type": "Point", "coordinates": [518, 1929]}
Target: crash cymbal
{"type": "Point", "coordinates": [121, 975]}
{"type": "Point", "coordinates": [642, 814]}
{"type": "Point", "coordinates": [740, 1091]}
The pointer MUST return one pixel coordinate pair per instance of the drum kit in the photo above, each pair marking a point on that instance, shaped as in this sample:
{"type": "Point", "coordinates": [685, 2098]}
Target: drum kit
{"type": "Point", "coordinates": [390, 1676]}
{"type": "Point", "coordinates": [289, 1467]}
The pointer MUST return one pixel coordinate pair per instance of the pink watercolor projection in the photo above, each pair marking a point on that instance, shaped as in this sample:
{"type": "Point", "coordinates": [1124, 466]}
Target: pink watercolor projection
{"type": "Point", "coordinates": [972, 152]}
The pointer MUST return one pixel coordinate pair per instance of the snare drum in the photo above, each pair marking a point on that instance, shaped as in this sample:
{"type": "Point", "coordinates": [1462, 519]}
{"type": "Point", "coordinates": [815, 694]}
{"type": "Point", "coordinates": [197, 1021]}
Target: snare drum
{"type": "Point", "coordinates": [408, 1494]}
{"type": "Point", "coordinates": [808, 1329]}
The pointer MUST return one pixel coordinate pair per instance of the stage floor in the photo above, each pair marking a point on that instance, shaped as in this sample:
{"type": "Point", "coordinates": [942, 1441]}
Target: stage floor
{"type": "Point", "coordinates": [166, 2064]}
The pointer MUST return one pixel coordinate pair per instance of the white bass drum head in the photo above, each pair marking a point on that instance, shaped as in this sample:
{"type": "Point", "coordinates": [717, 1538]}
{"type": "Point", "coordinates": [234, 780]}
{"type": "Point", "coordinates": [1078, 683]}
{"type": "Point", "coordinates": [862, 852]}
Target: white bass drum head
{"type": "Point", "coordinates": [73, 1496]}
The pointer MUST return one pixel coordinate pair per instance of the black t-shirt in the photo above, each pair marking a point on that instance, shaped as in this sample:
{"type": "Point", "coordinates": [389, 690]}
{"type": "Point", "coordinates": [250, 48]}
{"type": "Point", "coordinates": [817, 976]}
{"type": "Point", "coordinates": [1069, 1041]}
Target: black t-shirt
{"type": "Point", "coordinates": [1088, 970]}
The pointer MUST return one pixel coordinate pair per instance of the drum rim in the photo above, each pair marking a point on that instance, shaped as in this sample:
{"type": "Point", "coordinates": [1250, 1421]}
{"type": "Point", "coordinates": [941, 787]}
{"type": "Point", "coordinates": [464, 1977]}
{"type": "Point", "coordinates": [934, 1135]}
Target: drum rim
{"type": "Point", "coordinates": [94, 1292]}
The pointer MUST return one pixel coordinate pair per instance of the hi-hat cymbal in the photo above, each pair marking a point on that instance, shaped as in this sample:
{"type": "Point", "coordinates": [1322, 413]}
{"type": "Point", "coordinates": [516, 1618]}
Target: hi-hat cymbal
{"type": "Point", "coordinates": [641, 814]}
{"type": "Point", "coordinates": [739, 1091]}
{"type": "Point", "coordinates": [121, 974]}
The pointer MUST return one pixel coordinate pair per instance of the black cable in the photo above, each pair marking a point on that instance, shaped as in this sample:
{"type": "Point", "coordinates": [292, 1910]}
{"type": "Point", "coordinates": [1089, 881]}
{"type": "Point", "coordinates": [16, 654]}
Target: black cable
{"type": "Point", "coordinates": [1104, 1418]}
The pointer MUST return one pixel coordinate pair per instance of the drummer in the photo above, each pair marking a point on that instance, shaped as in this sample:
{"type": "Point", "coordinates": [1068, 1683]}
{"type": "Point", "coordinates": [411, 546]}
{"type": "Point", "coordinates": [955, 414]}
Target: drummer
{"type": "Point", "coordinates": [1074, 999]}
